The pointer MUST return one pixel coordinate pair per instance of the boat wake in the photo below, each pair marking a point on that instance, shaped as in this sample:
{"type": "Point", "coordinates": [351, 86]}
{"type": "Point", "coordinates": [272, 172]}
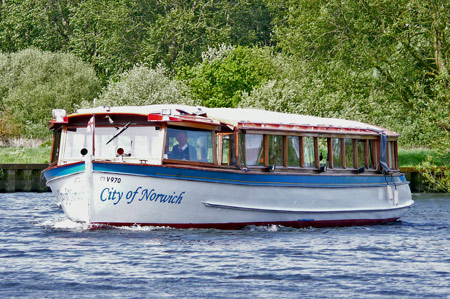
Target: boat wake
{"type": "Point", "coordinates": [63, 224]}
{"type": "Point", "coordinates": [266, 228]}
{"type": "Point", "coordinates": [139, 228]}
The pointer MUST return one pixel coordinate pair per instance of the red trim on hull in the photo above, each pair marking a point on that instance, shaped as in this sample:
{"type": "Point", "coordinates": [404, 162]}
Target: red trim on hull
{"type": "Point", "coordinates": [238, 225]}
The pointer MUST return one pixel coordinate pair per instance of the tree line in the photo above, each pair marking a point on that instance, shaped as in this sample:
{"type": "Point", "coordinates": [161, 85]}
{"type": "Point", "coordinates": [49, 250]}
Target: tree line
{"type": "Point", "coordinates": [383, 61]}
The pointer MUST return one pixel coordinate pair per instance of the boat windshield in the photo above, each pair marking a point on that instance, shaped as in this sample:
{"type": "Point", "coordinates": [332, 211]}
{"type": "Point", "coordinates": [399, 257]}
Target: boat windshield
{"type": "Point", "coordinates": [135, 144]}
{"type": "Point", "coordinates": [138, 143]}
{"type": "Point", "coordinates": [76, 139]}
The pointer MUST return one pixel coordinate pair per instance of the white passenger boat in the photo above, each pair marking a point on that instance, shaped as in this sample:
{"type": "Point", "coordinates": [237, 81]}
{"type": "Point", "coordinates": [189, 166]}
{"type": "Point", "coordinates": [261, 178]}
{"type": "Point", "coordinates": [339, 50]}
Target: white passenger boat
{"type": "Point", "coordinates": [191, 167]}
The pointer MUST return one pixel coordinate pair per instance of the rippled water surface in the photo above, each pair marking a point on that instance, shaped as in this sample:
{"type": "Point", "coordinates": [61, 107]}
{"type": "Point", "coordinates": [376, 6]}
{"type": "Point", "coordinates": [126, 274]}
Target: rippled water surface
{"type": "Point", "coordinates": [44, 255]}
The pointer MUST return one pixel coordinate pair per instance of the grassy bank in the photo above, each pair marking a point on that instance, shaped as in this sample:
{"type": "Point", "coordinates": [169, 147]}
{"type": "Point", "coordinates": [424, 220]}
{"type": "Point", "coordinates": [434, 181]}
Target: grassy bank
{"type": "Point", "coordinates": [41, 154]}
{"type": "Point", "coordinates": [414, 157]}
{"type": "Point", "coordinates": [21, 154]}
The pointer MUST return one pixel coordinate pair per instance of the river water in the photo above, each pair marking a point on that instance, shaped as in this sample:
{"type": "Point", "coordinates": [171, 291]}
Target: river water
{"type": "Point", "coordinates": [43, 255]}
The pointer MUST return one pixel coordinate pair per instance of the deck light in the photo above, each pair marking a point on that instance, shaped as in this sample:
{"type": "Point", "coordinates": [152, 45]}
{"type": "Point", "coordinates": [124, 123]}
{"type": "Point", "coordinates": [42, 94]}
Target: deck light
{"type": "Point", "coordinates": [59, 115]}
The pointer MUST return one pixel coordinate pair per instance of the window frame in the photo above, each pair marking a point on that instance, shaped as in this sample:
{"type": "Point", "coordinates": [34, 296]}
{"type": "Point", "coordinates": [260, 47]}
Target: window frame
{"type": "Point", "coordinates": [190, 162]}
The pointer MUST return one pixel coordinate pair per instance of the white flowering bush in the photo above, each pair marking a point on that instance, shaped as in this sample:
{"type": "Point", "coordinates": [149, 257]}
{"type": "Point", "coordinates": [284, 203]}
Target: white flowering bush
{"type": "Point", "coordinates": [145, 86]}
{"type": "Point", "coordinates": [219, 52]}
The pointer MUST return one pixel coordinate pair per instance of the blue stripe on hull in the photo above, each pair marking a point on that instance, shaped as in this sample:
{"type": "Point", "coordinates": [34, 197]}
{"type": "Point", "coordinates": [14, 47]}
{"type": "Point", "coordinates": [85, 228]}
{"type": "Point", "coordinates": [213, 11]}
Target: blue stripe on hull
{"type": "Point", "coordinates": [264, 179]}
{"type": "Point", "coordinates": [51, 173]}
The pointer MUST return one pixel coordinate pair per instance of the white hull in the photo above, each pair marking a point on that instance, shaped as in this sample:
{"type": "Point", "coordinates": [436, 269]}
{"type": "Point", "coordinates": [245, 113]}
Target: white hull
{"type": "Point", "coordinates": [124, 199]}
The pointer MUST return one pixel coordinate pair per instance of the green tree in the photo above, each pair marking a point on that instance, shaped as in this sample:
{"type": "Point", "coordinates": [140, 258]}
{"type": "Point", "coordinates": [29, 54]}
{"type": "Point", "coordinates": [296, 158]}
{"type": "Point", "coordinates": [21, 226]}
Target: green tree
{"type": "Point", "coordinates": [390, 56]}
{"type": "Point", "coordinates": [109, 34]}
{"type": "Point", "coordinates": [106, 34]}
{"type": "Point", "coordinates": [33, 82]}
{"type": "Point", "coordinates": [43, 24]}
{"type": "Point", "coordinates": [187, 28]}
{"type": "Point", "coordinates": [115, 35]}
{"type": "Point", "coordinates": [226, 73]}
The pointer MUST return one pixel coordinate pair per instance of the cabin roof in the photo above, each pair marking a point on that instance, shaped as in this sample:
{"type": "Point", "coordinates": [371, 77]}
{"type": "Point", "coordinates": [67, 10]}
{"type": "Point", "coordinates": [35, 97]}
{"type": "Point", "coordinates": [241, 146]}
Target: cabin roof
{"type": "Point", "coordinates": [241, 117]}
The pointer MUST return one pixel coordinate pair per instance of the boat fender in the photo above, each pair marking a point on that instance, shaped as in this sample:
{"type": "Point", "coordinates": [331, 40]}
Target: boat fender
{"type": "Point", "coordinates": [389, 193]}
{"type": "Point", "coordinates": [395, 196]}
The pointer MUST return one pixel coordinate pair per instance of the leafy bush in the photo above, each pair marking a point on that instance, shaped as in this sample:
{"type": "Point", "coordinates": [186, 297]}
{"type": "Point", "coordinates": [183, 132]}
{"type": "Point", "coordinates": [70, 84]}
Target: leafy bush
{"type": "Point", "coordinates": [145, 86]}
{"type": "Point", "coordinates": [9, 125]}
{"type": "Point", "coordinates": [33, 82]}
{"type": "Point", "coordinates": [437, 178]}
{"type": "Point", "coordinates": [226, 73]}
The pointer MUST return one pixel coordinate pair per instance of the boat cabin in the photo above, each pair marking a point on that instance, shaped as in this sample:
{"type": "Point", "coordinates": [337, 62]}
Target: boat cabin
{"type": "Point", "coordinates": [221, 138]}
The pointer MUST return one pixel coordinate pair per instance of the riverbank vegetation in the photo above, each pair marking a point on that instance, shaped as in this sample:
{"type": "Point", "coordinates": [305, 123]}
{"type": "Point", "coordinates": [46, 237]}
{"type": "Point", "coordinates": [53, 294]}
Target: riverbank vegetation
{"type": "Point", "coordinates": [28, 155]}
{"type": "Point", "coordinates": [381, 62]}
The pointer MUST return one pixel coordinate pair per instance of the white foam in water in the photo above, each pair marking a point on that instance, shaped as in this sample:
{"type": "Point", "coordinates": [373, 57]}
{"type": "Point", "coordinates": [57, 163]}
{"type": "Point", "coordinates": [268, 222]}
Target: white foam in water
{"type": "Point", "coordinates": [139, 228]}
{"type": "Point", "coordinates": [267, 228]}
{"type": "Point", "coordinates": [64, 224]}
{"type": "Point", "coordinates": [69, 224]}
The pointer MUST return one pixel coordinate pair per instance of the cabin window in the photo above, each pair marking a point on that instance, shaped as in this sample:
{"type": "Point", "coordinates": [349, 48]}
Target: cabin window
{"type": "Point", "coordinates": [76, 140]}
{"type": "Point", "coordinates": [225, 147]}
{"type": "Point", "coordinates": [254, 150]}
{"type": "Point", "coordinates": [361, 153]}
{"type": "Point", "coordinates": [137, 143]}
{"type": "Point", "coordinates": [275, 150]}
{"type": "Point", "coordinates": [349, 153]}
{"type": "Point", "coordinates": [389, 149]}
{"type": "Point", "coordinates": [392, 154]}
{"type": "Point", "coordinates": [308, 152]}
{"type": "Point", "coordinates": [293, 145]}
{"type": "Point", "coordinates": [192, 145]}
{"type": "Point", "coordinates": [337, 152]}
{"type": "Point", "coordinates": [395, 154]}
{"type": "Point", "coordinates": [241, 149]}
{"type": "Point", "coordinates": [323, 151]}
{"type": "Point", "coordinates": [56, 145]}
{"type": "Point", "coordinates": [373, 154]}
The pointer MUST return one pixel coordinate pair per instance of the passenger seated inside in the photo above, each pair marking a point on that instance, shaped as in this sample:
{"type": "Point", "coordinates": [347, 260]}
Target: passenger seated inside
{"type": "Point", "coordinates": [182, 150]}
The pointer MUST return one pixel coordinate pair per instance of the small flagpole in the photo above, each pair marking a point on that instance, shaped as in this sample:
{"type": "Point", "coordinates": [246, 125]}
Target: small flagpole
{"type": "Point", "coordinates": [89, 168]}
{"type": "Point", "coordinates": [93, 136]}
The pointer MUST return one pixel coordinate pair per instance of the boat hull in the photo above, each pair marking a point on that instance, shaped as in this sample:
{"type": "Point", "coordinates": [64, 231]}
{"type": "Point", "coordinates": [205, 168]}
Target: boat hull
{"type": "Point", "coordinates": [124, 195]}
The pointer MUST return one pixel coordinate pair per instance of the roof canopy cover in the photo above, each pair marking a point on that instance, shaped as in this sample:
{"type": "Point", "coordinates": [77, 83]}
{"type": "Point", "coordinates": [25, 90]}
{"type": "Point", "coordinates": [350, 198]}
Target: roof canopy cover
{"type": "Point", "coordinates": [239, 116]}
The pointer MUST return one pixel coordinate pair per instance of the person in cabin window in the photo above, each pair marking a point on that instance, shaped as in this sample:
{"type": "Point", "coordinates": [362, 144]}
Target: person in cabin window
{"type": "Point", "coordinates": [182, 150]}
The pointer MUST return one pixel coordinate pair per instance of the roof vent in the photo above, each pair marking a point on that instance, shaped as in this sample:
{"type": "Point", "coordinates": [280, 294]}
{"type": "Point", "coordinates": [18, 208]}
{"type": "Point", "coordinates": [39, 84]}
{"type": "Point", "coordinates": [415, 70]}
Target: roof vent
{"type": "Point", "coordinates": [200, 112]}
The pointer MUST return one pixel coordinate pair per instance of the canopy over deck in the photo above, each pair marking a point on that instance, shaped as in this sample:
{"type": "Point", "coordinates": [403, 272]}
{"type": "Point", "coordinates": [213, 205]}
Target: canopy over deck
{"type": "Point", "coordinates": [240, 117]}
